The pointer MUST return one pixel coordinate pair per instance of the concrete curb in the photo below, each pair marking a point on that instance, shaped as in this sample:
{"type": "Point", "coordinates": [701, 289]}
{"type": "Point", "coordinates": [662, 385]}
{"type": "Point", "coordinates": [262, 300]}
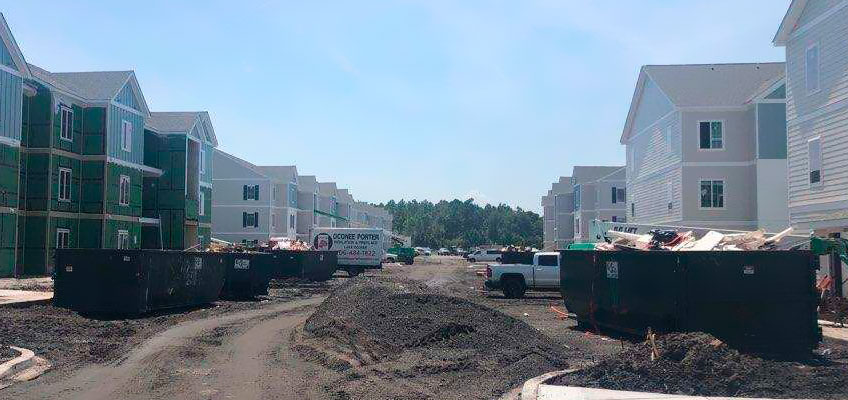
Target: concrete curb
{"type": "Point", "coordinates": [530, 389]}
{"type": "Point", "coordinates": [537, 389]}
{"type": "Point", "coordinates": [17, 364]}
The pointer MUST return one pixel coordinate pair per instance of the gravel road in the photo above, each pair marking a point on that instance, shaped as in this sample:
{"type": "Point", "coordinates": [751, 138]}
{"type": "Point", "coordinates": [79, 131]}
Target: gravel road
{"type": "Point", "coordinates": [241, 356]}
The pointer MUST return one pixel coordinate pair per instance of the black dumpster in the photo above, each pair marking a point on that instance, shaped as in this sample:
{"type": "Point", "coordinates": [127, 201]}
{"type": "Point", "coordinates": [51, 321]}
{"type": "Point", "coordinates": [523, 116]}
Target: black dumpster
{"type": "Point", "coordinates": [762, 301]}
{"type": "Point", "coordinates": [312, 265]}
{"type": "Point", "coordinates": [248, 274]}
{"type": "Point", "coordinates": [517, 257]}
{"type": "Point", "coordinates": [103, 281]}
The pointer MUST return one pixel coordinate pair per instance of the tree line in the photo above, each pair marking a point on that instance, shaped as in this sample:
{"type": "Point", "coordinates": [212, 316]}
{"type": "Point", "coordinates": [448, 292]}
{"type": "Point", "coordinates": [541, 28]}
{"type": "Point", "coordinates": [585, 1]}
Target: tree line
{"type": "Point", "coordinates": [464, 223]}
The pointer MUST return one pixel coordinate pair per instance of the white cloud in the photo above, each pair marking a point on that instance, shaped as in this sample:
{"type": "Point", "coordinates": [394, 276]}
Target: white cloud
{"type": "Point", "coordinates": [479, 197]}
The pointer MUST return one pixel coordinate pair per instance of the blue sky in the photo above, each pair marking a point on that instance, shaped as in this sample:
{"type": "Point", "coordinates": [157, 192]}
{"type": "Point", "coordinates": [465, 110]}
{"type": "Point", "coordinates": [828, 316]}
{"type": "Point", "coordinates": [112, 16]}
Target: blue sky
{"type": "Point", "coordinates": [402, 99]}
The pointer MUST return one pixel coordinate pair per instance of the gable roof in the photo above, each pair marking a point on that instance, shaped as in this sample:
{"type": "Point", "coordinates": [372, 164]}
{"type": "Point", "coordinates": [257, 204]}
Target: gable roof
{"type": "Point", "coordinates": [327, 188]}
{"type": "Point", "coordinates": [790, 22]}
{"type": "Point", "coordinates": [94, 86]}
{"type": "Point", "coordinates": [243, 163]}
{"type": "Point", "coordinates": [282, 173]}
{"type": "Point", "coordinates": [704, 85]}
{"type": "Point", "coordinates": [9, 41]}
{"type": "Point", "coordinates": [591, 173]}
{"type": "Point", "coordinates": [182, 122]}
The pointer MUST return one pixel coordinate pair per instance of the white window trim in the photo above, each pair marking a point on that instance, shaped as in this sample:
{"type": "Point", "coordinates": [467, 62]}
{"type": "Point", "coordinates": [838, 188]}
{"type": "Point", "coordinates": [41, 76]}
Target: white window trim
{"type": "Point", "coordinates": [59, 232]}
{"type": "Point", "coordinates": [820, 183]}
{"type": "Point", "coordinates": [62, 109]}
{"type": "Point", "coordinates": [723, 135]}
{"type": "Point", "coordinates": [723, 193]}
{"type": "Point", "coordinates": [201, 200]}
{"type": "Point", "coordinates": [818, 69]}
{"type": "Point", "coordinates": [123, 232]}
{"type": "Point", "coordinates": [202, 160]}
{"type": "Point", "coordinates": [61, 192]}
{"type": "Point", "coordinates": [124, 178]}
{"type": "Point", "coordinates": [126, 140]}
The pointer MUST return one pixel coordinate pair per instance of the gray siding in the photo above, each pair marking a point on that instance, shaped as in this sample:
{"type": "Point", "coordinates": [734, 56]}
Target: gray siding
{"type": "Point", "coordinates": [821, 114]}
{"type": "Point", "coordinates": [740, 194]}
{"type": "Point", "coordinates": [739, 136]}
{"type": "Point", "coordinates": [652, 106]}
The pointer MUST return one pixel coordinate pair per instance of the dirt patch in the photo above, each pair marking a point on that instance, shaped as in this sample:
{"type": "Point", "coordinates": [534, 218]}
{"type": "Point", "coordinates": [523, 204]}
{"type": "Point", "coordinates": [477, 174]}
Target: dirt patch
{"type": "Point", "coordinates": [67, 338]}
{"type": "Point", "coordinates": [834, 309]}
{"type": "Point", "coordinates": [700, 364]}
{"type": "Point", "coordinates": [30, 284]}
{"type": "Point", "coordinates": [402, 339]}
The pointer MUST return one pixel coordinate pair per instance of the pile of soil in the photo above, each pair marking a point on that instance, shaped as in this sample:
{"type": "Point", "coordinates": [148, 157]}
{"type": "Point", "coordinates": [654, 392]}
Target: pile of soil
{"type": "Point", "coordinates": [699, 364]}
{"type": "Point", "coordinates": [400, 339]}
{"type": "Point", "coordinates": [834, 309]}
{"type": "Point", "coordinates": [7, 354]}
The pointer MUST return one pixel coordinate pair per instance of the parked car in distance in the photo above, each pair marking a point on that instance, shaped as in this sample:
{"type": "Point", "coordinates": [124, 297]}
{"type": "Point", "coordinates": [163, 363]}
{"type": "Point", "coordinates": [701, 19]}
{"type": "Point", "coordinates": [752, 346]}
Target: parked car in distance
{"type": "Point", "coordinates": [405, 255]}
{"type": "Point", "coordinates": [443, 252]}
{"type": "Point", "coordinates": [390, 258]}
{"type": "Point", "coordinates": [515, 279]}
{"type": "Point", "coordinates": [484, 255]}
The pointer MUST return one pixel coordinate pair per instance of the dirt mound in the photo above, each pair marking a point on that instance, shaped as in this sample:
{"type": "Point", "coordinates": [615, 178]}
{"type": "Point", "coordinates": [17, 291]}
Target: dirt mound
{"type": "Point", "coordinates": [400, 337]}
{"type": "Point", "coordinates": [834, 309]}
{"type": "Point", "coordinates": [700, 364]}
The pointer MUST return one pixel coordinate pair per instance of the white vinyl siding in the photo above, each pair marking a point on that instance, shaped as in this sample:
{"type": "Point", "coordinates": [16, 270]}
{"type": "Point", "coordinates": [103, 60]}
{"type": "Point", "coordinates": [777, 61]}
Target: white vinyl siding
{"type": "Point", "coordinates": [822, 114]}
{"type": "Point", "coordinates": [649, 196]}
{"type": "Point", "coordinates": [64, 184]}
{"type": "Point", "coordinates": [811, 68]}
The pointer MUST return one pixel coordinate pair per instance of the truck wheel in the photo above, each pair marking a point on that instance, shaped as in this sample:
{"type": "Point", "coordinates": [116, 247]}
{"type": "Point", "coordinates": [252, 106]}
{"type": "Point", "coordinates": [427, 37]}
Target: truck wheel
{"type": "Point", "coordinates": [513, 289]}
{"type": "Point", "coordinates": [353, 272]}
{"type": "Point", "coordinates": [472, 260]}
{"type": "Point", "coordinates": [498, 259]}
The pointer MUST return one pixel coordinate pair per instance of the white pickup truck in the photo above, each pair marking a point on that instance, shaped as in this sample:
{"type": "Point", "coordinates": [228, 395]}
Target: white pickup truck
{"type": "Point", "coordinates": [515, 279]}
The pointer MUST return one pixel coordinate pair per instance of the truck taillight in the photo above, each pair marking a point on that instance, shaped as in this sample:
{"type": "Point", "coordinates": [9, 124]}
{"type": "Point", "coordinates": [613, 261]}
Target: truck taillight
{"type": "Point", "coordinates": [488, 271]}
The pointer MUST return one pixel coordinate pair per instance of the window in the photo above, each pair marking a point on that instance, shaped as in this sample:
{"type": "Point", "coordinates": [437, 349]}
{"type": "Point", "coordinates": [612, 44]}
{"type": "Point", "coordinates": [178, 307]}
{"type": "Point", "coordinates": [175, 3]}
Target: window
{"type": "Point", "coordinates": [126, 135]}
{"type": "Point", "coordinates": [64, 184]}
{"type": "Point", "coordinates": [614, 218]}
{"type": "Point", "coordinates": [711, 135]}
{"type": "Point", "coordinates": [62, 237]}
{"type": "Point", "coordinates": [124, 194]}
{"type": "Point", "coordinates": [619, 195]}
{"type": "Point", "coordinates": [202, 160]}
{"type": "Point", "coordinates": [632, 209]}
{"type": "Point", "coordinates": [668, 135]}
{"type": "Point", "coordinates": [811, 68]}
{"type": "Point", "coordinates": [251, 192]}
{"type": "Point", "coordinates": [576, 226]}
{"type": "Point", "coordinates": [67, 124]}
{"type": "Point", "coordinates": [250, 220]}
{"type": "Point", "coordinates": [712, 194]}
{"type": "Point", "coordinates": [201, 207]}
{"type": "Point", "coordinates": [123, 239]}
{"type": "Point", "coordinates": [291, 221]}
{"type": "Point", "coordinates": [548, 261]}
{"type": "Point", "coordinates": [814, 155]}
{"type": "Point", "coordinates": [273, 220]}
{"type": "Point", "coordinates": [670, 195]}
{"type": "Point", "coordinates": [493, 252]}
{"type": "Point", "coordinates": [274, 193]}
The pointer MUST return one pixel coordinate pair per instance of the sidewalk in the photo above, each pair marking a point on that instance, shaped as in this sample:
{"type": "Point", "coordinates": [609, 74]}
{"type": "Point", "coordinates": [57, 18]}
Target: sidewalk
{"type": "Point", "coordinates": [23, 296]}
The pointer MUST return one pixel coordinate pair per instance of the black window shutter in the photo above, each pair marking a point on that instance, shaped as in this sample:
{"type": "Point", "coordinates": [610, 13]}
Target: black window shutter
{"type": "Point", "coordinates": [704, 130]}
{"type": "Point", "coordinates": [613, 195]}
{"type": "Point", "coordinates": [244, 219]}
{"type": "Point", "coordinates": [256, 192]}
{"type": "Point", "coordinates": [245, 191]}
{"type": "Point", "coordinates": [256, 219]}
